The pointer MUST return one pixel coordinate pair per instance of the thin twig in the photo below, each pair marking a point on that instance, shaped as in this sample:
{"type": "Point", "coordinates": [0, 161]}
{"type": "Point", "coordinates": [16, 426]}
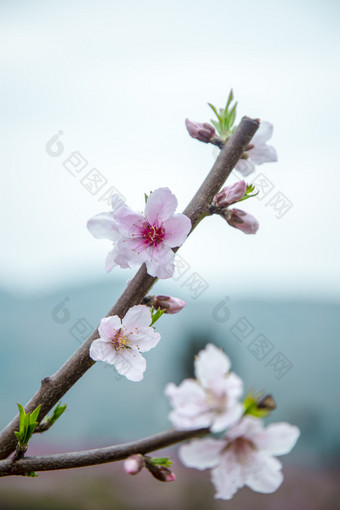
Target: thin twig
{"type": "Point", "coordinates": [53, 388]}
{"type": "Point", "coordinates": [113, 453]}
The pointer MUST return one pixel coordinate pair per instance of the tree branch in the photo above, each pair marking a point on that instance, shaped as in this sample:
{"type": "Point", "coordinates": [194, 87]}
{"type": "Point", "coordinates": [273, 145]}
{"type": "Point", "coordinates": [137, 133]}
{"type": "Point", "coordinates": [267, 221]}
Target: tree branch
{"type": "Point", "coordinates": [53, 388]}
{"type": "Point", "coordinates": [113, 453]}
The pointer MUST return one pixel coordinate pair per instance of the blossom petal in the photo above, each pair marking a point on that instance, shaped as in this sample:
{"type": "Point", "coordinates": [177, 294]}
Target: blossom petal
{"type": "Point", "coordinates": [161, 262]}
{"type": "Point", "coordinates": [128, 220]}
{"type": "Point", "coordinates": [263, 154]}
{"type": "Point", "coordinates": [227, 477]}
{"type": "Point", "coordinates": [177, 228]}
{"type": "Point", "coordinates": [100, 350]}
{"type": "Point", "coordinates": [231, 385]}
{"type": "Point", "coordinates": [188, 398]}
{"type": "Point", "coordinates": [108, 327]}
{"type": "Point", "coordinates": [245, 167]}
{"type": "Point", "coordinates": [110, 260]}
{"type": "Point", "coordinates": [139, 315]}
{"type": "Point", "coordinates": [277, 438]}
{"type": "Point", "coordinates": [228, 418]}
{"type": "Point", "coordinates": [144, 339]}
{"type": "Point", "coordinates": [201, 453]}
{"type": "Point", "coordinates": [247, 427]}
{"type": "Point", "coordinates": [264, 473]}
{"type": "Point", "coordinates": [131, 364]}
{"type": "Point", "coordinates": [210, 364]}
{"type": "Point", "coordinates": [123, 255]}
{"type": "Point", "coordinates": [160, 204]}
{"type": "Point", "coordinates": [104, 226]}
{"type": "Point", "coordinates": [264, 132]}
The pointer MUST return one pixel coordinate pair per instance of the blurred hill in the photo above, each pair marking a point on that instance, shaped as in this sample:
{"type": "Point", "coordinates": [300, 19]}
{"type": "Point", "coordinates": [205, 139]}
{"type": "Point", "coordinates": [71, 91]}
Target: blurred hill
{"type": "Point", "coordinates": [289, 348]}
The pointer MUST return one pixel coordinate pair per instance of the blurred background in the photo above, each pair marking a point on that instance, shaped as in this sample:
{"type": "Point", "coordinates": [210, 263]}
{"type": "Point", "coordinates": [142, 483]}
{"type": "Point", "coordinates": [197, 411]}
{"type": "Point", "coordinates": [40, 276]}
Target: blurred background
{"type": "Point", "coordinates": [108, 84]}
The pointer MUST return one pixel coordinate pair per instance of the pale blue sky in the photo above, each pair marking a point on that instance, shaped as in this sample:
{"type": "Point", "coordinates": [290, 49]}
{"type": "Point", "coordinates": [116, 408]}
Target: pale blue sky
{"type": "Point", "coordinates": [119, 78]}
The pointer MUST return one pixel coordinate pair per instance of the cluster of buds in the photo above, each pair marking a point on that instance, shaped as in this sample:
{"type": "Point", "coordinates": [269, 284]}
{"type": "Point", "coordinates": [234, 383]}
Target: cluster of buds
{"type": "Point", "coordinates": [235, 217]}
{"type": "Point", "coordinates": [158, 467]}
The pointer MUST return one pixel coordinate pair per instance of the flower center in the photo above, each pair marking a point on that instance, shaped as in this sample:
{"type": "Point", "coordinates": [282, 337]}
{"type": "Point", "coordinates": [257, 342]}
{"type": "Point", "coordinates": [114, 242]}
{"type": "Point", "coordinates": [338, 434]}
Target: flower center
{"type": "Point", "coordinates": [153, 235]}
{"type": "Point", "coordinates": [119, 341]}
{"type": "Point", "coordinates": [241, 447]}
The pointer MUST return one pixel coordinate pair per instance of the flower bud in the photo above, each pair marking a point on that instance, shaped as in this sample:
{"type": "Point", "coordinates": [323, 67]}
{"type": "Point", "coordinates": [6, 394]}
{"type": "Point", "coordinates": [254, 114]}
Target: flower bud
{"type": "Point", "coordinates": [231, 194]}
{"type": "Point", "coordinates": [161, 473]}
{"type": "Point", "coordinates": [201, 131]}
{"type": "Point", "coordinates": [241, 220]}
{"type": "Point", "coordinates": [267, 402]}
{"type": "Point", "coordinates": [169, 303]}
{"type": "Point", "coordinates": [133, 464]}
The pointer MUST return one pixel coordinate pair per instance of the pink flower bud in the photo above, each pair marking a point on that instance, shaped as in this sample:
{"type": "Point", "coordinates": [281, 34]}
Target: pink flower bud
{"type": "Point", "coordinates": [242, 220]}
{"type": "Point", "coordinates": [162, 473]}
{"type": "Point", "coordinates": [169, 303]}
{"type": "Point", "coordinates": [133, 464]}
{"type": "Point", "coordinates": [231, 194]}
{"type": "Point", "coordinates": [202, 132]}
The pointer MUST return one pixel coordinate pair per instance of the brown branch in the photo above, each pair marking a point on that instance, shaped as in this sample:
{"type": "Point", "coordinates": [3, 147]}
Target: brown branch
{"type": "Point", "coordinates": [113, 453]}
{"type": "Point", "coordinates": [53, 388]}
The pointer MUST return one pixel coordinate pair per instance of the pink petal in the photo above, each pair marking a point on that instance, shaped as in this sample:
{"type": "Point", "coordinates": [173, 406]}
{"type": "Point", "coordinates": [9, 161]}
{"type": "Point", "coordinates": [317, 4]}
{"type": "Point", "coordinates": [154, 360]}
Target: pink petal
{"type": "Point", "coordinates": [277, 438]}
{"type": "Point", "coordinates": [160, 262]}
{"type": "Point", "coordinates": [188, 398]}
{"type": "Point", "coordinates": [264, 132]}
{"type": "Point", "coordinates": [177, 228]}
{"type": "Point", "coordinates": [232, 385]}
{"type": "Point", "coordinates": [264, 473]}
{"type": "Point", "coordinates": [144, 339]}
{"type": "Point", "coordinates": [210, 364]}
{"type": "Point", "coordinates": [123, 256]}
{"type": "Point", "coordinates": [109, 326]}
{"type": "Point", "coordinates": [227, 477]}
{"type": "Point", "coordinates": [263, 154]}
{"type": "Point", "coordinates": [201, 453]}
{"type": "Point", "coordinates": [160, 204]}
{"type": "Point", "coordinates": [248, 427]}
{"type": "Point", "coordinates": [110, 260]}
{"type": "Point", "coordinates": [131, 364]}
{"type": "Point", "coordinates": [137, 316]}
{"type": "Point", "coordinates": [245, 167]}
{"type": "Point", "coordinates": [128, 220]}
{"type": "Point", "coordinates": [101, 350]}
{"type": "Point", "coordinates": [227, 419]}
{"type": "Point", "coordinates": [195, 422]}
{"type": "Point", "coordinates": [103, 226]}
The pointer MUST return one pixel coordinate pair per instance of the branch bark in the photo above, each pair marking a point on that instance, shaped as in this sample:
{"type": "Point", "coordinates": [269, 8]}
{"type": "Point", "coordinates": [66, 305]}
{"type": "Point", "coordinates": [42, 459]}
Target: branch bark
{"type": "Point", "coordinates": [113, 453]}
{"type": "Point", "coordinates": [53, 388]}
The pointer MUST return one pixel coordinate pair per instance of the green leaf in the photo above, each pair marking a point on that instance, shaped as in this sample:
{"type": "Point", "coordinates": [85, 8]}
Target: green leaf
{"type": "Point", "coordinates": [156, 315]}
{"type": "Point", "coordinates": [161, 461]}
{"type": "Point", "coordinates": [31, 474]}
{"type": "Point", "coordinates": [232, 116]}
{"type": "Point", "coordinates": [230, 98]}
{"type": "Point", "coordinates": [35, 413]}
{"type": "Point", "coordinates": [217, 126]}
{"type": "Point", "coordinates": [215, 111]}
{"type": "Point", "coordinates": [145, 197]}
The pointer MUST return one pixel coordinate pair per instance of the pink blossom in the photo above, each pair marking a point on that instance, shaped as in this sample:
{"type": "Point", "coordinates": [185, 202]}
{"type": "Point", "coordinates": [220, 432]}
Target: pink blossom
{"type": "Point", "coordinates": [245, 456]}
{"type": "Point", "coordinates": [169, 303]}
{"type": "Point", "coordinates": [133, 464]}
{"type": "Point", "coordinates": [212, 399]}
{"type": "Point", "coordinates": [258, 152]}
{"type": "Point", "coordinates": [147, 237]}
{"type": "Point", "coordinates": [202, 132]}
{"type": "Point", "coordinates": [242, 220]}
{"type": "Point", "coordinates": [231, 194]}
{"type": "Point", "coordinates": [122, 341]}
